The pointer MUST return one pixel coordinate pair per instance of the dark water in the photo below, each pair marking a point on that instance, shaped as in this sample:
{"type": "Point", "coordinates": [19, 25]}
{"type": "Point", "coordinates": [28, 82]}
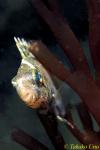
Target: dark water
{"type": "Point", "coordinates": [18, 18]}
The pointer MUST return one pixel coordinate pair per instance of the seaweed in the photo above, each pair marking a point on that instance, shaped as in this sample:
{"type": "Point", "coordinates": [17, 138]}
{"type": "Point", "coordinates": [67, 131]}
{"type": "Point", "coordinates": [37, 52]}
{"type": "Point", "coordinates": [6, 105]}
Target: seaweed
{"type": "Point", "coordinates": [79, 78]}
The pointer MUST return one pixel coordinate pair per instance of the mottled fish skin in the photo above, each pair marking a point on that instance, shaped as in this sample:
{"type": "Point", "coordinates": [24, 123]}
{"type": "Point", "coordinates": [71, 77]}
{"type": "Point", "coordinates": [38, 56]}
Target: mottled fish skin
{"type": "Point", "coordinates": [32, 82]}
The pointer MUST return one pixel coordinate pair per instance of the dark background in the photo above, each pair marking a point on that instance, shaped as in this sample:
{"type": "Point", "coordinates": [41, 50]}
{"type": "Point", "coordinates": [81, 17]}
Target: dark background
{"type": "Point", "coordinates": [19, 18]}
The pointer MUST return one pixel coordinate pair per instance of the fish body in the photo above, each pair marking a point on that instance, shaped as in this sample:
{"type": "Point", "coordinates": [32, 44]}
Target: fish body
{"type": "Point", "coordinates": [32, 81]}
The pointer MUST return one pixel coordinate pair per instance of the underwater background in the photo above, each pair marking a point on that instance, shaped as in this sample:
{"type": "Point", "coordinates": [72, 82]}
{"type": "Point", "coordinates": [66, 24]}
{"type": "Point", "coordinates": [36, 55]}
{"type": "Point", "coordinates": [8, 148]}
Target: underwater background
{"type": "Point", "coordinates": [18, 18]}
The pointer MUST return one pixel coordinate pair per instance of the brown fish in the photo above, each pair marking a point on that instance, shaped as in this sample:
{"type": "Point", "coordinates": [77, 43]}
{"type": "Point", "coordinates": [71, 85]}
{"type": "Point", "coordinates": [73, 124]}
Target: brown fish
{"type": "Point", "coordinates": [32, 82]}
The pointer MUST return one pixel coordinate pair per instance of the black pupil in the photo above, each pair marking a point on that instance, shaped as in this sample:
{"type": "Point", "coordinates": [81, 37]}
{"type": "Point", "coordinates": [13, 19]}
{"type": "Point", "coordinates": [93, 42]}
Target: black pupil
{"type": "Point", "coordinates": [37, 77]}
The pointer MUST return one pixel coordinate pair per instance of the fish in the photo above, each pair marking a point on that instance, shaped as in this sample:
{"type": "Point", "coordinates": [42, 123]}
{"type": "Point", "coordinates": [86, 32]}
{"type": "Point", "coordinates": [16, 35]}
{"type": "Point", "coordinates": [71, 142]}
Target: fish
{"type": "Point", "coordinates": [33, 82]}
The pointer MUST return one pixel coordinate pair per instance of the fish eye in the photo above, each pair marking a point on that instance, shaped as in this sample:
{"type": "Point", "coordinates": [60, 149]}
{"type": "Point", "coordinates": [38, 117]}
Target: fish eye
{"type": "Point", "coordinates": [38, 78]}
